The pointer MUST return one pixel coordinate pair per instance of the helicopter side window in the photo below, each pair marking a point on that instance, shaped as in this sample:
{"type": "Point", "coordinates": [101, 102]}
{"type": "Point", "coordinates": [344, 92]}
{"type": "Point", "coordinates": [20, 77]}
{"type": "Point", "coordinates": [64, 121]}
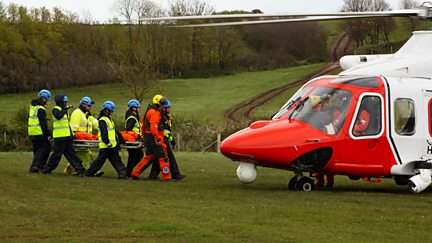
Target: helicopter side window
{"type": "Point", "coordinates": [368, 121]}
{"type": "Point", "coordinates": [404, 112]}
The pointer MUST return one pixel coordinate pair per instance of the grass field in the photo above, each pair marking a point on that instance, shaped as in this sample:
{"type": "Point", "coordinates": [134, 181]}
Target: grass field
{"type": "Point", "coordinates": [210, 205]}
{"type": "Point", "coordinates": [206, 99]}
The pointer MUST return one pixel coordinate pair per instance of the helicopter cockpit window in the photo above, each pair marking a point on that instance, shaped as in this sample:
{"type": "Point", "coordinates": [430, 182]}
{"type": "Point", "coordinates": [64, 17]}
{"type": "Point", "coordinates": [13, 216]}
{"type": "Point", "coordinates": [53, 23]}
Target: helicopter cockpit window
{"type": "Point", "coordinates": [369, 119]}
{"type": "Point", "coordinates": [365, 82]}
{"type": "Point", "coordinates": [291, 102]}
{"type": "Point", "coordinates": [404, 112]}
{"type": "Point", "coordinates": [325, 109]}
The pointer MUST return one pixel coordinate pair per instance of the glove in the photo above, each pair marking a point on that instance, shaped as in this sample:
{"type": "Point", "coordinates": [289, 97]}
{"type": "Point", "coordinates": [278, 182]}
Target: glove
{"type": "Point", "coordinates": [50, 138]}
{"type": "Point", "coordinates": [109, 145]}
{"type": "Point", "coordinates": [67, 107]}
{"type": "Point", "coordinates": [173, 144]}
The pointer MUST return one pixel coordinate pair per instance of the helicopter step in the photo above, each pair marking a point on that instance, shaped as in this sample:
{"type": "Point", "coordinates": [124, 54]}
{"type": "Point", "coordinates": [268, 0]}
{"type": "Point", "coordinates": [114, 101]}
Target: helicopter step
{"type": "Point", "coordinates": [301, 183]}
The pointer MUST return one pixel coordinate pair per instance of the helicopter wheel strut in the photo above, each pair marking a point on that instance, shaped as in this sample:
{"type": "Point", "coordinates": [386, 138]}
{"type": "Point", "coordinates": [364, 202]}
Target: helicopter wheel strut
{"type": "Point", "coordinates": [301, 183]}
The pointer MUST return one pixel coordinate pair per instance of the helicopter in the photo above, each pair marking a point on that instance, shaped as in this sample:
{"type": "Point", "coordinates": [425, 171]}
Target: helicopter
{"type": "Point", "coordinates": [373, 120]}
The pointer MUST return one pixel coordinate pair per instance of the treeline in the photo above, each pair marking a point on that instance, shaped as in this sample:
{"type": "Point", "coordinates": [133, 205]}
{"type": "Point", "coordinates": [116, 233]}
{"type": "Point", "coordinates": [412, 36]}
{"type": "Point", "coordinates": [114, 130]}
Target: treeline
{"type": "Point", "coordinates": [54, 48]}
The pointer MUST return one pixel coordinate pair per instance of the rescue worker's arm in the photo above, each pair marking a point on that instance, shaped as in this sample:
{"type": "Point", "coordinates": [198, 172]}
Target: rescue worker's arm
{"type": "Point", "coordinates": [154, 120]}
{"type": "Point", "coordinates": [92, 121]}
{"type": "Point", "coordinates": [119, 137]}
{"type": "Point", "coordinates": [130, 124]}
{"type": "Point", "coordinates": [43, 122]}
{"type": "Point", "coordinates": [104, 131]}
{"type": "Point", "coordinates": [59, 113]}
{"type": "Point", "coordinates": [75, 121]}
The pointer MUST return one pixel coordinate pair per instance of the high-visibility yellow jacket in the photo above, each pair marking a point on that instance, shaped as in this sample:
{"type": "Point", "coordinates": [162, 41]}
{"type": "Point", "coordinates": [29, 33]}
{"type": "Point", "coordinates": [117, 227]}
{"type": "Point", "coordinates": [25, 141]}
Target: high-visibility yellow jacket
{"type": "Point", "coordinates": [61, 127]}
{"type": "Point", "coordinates": [111, 133]}
{"type": "Point", "coordinates": [34, 127]}
{"type": "Point", "coordinates": [80, 122]}
{"type": "Point", "coordinates": [137, 126]}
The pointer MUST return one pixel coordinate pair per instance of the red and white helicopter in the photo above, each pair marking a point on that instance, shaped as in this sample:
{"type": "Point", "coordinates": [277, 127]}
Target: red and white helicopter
{"type": "Point", "coordinates": [372, 120]}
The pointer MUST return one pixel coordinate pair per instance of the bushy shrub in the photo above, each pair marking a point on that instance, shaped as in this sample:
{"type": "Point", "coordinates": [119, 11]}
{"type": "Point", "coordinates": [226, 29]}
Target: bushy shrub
{"type": "Point", "coordinates": [14, 132]}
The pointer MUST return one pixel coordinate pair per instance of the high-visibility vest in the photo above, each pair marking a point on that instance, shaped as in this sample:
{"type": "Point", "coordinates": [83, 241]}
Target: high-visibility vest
{"type": "Point", "coordinates": [34, 127]}
{"type": "Point", "coordinates": [80, 123]}
{"type": "Point", "coordinates": [111, 133]}
{"type": "Point", "coordinates": [61, 127]}
{"type": "Point", "coordinates": [137, 126]}
{"type": "Point", "coordinates": [167, 129]}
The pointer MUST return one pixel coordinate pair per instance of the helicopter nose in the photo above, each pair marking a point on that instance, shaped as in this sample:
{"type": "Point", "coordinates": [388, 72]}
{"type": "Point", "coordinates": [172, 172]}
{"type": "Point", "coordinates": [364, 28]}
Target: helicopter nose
{"type": "Point", "coordinates": [257, 143]}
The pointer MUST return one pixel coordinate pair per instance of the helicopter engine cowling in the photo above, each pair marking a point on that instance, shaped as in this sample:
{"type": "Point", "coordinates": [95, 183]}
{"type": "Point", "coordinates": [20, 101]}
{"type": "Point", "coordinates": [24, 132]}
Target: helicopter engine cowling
{"type": "Point", "coordinates": [350, 61]}
{"type": "Point", "coordinates": [420, 182]}
{"type": "Point", "coordinates": [247, 172]}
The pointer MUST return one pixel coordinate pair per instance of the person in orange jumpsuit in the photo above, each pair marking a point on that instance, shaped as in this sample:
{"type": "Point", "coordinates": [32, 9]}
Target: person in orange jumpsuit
{"type": "Point", "coordinates": [362, 123]}
{"type": "Point", "coordinates": [153, 130]}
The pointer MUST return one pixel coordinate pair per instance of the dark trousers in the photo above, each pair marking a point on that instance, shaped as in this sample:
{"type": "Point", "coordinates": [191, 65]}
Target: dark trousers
{"type": "Point", "coordinates": [175, 172]}
{"type": "Point", "coordinates": [41, 151]}
{"type": "Point", "coordinates": [113, 156]}
{"type": "Point", "coordinates": [135, 156]}
{"type": "Point", "coordinates": [63, 147]}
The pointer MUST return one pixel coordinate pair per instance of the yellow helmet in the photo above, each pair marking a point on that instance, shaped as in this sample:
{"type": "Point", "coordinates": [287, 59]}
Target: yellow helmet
{"type": "Point", "coordinates": [159, 100]}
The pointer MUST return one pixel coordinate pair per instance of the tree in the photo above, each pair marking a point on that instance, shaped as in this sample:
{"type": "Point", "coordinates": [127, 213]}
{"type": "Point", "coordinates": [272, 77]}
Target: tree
{"type": "Point", "coordinates": [409, 4]}
{"type": "Point", "coordinates": [187, 8]}
{"type": "Point", "coordinates": [137, 63]}
{"type": "Point", "coordinates": [359, 30]}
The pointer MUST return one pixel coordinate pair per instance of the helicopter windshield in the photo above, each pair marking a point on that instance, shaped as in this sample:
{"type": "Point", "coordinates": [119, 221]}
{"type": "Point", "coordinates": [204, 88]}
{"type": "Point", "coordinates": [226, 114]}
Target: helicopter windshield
{"type": "Point", "coordinates": [291, 102]}
{"type": "Point", "coordinates": [325, 109]}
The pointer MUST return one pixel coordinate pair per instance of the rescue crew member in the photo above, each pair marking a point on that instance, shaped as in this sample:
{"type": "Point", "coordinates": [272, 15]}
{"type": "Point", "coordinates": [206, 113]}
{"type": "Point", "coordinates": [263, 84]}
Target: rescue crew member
{"type": "Point", "coordinates": [132, 123]}
{"type": "Point", "coordinates": [38, 131]}
{"type": "Point", "coordinates": [109, 143]}
{"type": "Point", "coordinates": [319, 176]}
{"type": "Point", "coordinates": [154, 140]}
{"type": "Point", "coordinates": [83, 123]}
{"type": "Point", "coordinates": [361, 123]}
{"type": "Point", "coordinates": [170, 145]}
{"type": "Point", "coordinates": [63, 138]}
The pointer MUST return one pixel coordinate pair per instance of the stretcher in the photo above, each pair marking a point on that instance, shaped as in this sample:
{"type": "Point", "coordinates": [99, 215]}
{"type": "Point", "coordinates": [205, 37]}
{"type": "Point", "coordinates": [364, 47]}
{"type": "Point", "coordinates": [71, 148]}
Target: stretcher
{"type": "Point", "coordinates": [86, 140]}
{"type": "Point", "coordinates": [95, 144]}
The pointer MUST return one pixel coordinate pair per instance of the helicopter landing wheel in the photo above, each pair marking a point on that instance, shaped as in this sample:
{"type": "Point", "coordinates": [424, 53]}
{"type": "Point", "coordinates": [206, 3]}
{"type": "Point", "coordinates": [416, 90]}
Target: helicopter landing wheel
{"type": "Point", "coordinates": [292, 183]}
{"type": "Point", "coordinates": [305, 184]}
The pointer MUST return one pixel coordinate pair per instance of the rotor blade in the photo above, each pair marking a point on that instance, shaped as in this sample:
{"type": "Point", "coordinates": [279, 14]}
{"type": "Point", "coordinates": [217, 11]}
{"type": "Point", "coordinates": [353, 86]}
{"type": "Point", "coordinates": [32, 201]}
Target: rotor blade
{"type": "Point", "coordinates": [408, 12]}
{"type": "Point", "coordinates": [274, 21]}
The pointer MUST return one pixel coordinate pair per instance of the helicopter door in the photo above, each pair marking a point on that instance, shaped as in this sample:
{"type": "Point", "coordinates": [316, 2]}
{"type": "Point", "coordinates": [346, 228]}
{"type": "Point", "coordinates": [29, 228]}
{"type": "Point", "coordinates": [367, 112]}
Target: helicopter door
{"type": "Point", "coordinates": [365, 141]}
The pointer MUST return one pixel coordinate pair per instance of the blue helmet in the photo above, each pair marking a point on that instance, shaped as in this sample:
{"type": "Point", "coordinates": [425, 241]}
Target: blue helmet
{"type": "Point", "coordinates": [45, 93]}
{"type": "Point", "coordinates": [167, 104]}
{"type": "Point", "coordinates": [109, 105]}
{"type": "Point", "coordinates": [65, 99]}
{"type": "Point", "coordinates": [87, 101]}
{"type": "Point", "coordinates": [134, 103]}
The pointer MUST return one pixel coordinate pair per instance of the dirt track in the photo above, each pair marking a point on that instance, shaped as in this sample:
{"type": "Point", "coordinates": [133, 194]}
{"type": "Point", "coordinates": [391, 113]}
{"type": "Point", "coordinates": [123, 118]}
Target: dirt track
{"type": "Point", "coordinates": [244, 110]}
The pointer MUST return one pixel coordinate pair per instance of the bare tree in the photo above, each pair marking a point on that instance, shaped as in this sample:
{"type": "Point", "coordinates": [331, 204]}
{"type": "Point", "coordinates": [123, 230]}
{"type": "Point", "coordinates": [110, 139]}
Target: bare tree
{"type": "Point", "coordinates": [360, 29]}
{"type": "Point", "coordinates": [409, 4]}
{"type": "Point", "coordinates": [137, 64]}
{"type": "Point", "coordinates": [356, 5]}
{"type": "Point", "coordinates": [192, 7]}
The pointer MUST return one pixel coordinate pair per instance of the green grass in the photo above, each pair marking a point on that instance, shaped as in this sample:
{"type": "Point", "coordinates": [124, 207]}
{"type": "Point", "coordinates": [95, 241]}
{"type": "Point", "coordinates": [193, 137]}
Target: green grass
{"type": "Point", "coordinates": [210, 205]}
{"type": "Point", "coordinates": [206, 99]}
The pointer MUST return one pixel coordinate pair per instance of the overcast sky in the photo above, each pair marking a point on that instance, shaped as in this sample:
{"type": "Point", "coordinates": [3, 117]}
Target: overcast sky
{"type": "Point", "coordinates": [101, 10]}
